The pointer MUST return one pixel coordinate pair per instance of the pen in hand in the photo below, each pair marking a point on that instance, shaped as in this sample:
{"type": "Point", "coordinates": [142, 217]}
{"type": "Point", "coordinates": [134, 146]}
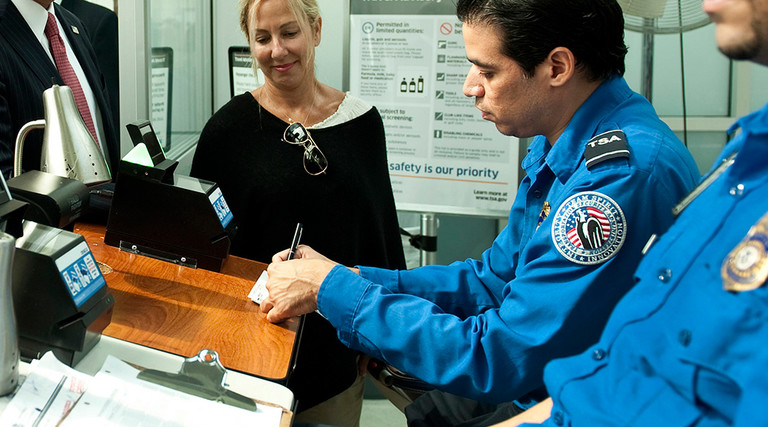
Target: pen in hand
{"type": "Point", "coordinates": [295, 241]}
{"type": "Point", "coordinates": [295, 246]}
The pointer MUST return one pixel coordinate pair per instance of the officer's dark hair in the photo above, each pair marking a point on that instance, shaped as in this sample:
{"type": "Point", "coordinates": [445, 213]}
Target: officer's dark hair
{"type": "Point", "coordinates": [592, 29]}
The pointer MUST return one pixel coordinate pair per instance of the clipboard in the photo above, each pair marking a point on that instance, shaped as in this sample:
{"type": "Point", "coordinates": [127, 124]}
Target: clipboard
{"type": "Point", "coordinates": [204, 376]}
{"type": "Point", "coordinates": [61, 391]}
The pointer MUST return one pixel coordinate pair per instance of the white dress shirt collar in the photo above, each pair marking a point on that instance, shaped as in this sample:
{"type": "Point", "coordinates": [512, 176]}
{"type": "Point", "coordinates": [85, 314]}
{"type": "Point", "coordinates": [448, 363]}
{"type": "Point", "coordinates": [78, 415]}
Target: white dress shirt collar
{"type": "Point", "coordinates": [36, 18]}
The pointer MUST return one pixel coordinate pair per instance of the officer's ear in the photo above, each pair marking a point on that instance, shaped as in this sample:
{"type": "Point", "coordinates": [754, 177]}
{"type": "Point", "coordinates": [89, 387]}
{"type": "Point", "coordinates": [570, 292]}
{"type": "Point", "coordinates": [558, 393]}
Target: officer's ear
{"type": "Point", "coordinates": [561, 64]}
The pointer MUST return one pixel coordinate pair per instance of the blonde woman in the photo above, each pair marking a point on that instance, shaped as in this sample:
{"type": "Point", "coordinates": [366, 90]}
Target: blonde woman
{"type": "Point", "coordinates": [297, 150]}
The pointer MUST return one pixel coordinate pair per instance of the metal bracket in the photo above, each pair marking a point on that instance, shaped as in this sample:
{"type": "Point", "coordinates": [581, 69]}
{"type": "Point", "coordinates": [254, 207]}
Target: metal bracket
{"type": "Point", "coordinates": [202, 375]}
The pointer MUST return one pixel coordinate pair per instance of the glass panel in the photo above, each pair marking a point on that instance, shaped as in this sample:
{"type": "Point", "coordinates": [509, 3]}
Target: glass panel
{"type": "Point", "coordinates": [181, 83]}
{"type": "Point", "coordinates": [634, 60]}
{"type": "Point", "coordinates": [758, 87]}
{"type": "Point", "coordinates": [705, 147]}
{"type": "Point", "coordinates": [707, 93]}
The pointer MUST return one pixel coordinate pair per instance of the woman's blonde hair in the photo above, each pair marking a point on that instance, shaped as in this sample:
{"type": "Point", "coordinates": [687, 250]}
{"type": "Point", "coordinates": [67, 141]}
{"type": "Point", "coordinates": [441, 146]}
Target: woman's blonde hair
{"type": "Point", "coordinates": [306, 13]}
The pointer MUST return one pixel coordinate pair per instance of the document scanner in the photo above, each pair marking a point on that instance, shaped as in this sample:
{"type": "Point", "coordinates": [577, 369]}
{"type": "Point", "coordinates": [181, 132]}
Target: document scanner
{"type": "Point", "coordinates": [53, 200]}
{"type": "Point", "coordinates": [60, 297]}
{"type": "Point", "coordinates": [175, 218]}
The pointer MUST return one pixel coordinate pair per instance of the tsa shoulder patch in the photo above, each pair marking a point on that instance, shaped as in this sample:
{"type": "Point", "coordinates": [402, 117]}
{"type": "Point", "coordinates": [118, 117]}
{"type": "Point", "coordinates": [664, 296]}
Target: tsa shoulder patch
{"type": "Point", "coordinates": [607, 145]}
{"type": "Point", "coordinates": [589, 228]}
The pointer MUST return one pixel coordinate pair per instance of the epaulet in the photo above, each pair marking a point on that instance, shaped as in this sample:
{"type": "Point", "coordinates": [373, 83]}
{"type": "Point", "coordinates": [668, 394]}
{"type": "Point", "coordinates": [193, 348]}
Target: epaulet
{"type": "Point", "coordinates": [607, 145]}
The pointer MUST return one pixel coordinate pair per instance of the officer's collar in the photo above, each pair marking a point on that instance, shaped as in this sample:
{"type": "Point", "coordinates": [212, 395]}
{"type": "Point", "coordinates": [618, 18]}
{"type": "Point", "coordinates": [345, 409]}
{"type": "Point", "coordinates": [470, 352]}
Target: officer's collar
{"type": "Point", "coordinates": [566, 154]}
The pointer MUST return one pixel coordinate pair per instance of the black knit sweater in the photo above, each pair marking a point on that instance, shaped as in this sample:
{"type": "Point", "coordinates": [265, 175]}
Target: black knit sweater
{"type": "Point", "coordinates": [348, 213]}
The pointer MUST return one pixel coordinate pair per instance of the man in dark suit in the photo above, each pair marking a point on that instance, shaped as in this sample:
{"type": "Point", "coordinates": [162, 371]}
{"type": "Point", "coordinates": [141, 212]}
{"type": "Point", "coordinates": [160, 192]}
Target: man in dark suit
{"type": "Point", "coordinates": [101, 24]}
{"type": "Point", "coordinates": [27, 69]}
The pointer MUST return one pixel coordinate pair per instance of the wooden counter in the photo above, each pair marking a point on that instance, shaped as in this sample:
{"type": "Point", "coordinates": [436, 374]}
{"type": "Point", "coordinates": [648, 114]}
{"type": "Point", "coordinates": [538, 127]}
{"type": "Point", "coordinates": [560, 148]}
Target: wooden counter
{"type": "Point", "coordinates": [183, 310]}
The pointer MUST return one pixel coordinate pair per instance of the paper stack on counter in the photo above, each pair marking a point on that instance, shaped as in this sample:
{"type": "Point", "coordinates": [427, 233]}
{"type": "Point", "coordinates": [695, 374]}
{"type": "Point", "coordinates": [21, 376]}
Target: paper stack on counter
{"type": "Point", "coordinates": [55, 394]}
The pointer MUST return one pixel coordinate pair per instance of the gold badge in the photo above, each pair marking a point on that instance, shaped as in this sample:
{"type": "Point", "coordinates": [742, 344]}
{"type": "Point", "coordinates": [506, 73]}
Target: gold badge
{"type": "Point", "coordinates": [75, 30]}
{"type": "Point", "coordinates": [545, 208]}
{"type": "Point", "coordinates": [746, 267]}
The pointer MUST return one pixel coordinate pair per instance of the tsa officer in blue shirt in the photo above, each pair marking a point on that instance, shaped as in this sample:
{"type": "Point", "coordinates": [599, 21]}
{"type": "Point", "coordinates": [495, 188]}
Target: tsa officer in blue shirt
{"type": "Point", "coordinates": [602, 175]}
{"type": "Point", "coordinates": [687, 345]}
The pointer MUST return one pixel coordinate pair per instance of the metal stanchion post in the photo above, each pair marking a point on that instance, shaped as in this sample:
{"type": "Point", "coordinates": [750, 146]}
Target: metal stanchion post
{"type": "Point", "coordinates": [428, 251]}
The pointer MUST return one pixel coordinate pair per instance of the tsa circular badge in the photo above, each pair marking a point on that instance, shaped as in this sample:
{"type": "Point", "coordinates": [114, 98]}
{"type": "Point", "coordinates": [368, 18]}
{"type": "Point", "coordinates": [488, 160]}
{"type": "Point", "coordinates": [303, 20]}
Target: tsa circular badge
{"type": "Point", "coordinates": [589, 228]}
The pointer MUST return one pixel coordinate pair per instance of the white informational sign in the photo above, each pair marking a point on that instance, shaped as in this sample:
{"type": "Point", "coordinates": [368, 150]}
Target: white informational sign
{"type": "Point", "coordinates": [407, 58]}
{"type": "Point", "coordinates": [162, 80]}
{"type": "Point", "coordinates": [241, 77]}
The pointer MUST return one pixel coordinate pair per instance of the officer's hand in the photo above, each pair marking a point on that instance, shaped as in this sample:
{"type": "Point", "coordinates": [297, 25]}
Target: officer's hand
{"type": "Point", "coordinates": [293, 287]}
{"type": "Point", "coordinates": [302, 252]}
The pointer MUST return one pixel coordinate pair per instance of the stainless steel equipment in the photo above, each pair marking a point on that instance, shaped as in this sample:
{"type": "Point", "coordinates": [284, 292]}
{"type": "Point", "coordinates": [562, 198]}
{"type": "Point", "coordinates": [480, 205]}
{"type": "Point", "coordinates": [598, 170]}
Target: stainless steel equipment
{"type": "Point", "coordinates": [9, 340]}
{"type": "Point", "coordinates": [68, 148]}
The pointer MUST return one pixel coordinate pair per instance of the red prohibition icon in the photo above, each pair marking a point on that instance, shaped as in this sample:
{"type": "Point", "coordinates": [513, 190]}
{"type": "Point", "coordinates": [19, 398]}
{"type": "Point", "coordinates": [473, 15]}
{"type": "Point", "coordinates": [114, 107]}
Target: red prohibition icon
{"type": "Point", "coordinates": [446, 28]}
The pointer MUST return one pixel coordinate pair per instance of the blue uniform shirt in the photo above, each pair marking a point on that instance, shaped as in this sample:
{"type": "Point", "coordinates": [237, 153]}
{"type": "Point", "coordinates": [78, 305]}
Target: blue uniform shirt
{"type": "Point", "coordinates": [485, 328]}
{"type": "Point", "coordinates": [679, 349]}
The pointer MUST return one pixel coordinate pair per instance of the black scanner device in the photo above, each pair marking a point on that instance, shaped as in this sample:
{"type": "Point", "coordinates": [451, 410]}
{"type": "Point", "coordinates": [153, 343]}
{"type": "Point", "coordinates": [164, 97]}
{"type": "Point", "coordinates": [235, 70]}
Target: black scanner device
{"type": "Point", "coordinates": [60, 298]}
{"type": "Point", "coordinates": [175, 218]}
{"type": "Point", "coordinates": [53, 200]}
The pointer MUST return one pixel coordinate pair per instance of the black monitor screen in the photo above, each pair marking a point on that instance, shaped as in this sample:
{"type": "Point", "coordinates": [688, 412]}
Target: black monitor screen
{"type": "Point", "coordinates": [143, 132]}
